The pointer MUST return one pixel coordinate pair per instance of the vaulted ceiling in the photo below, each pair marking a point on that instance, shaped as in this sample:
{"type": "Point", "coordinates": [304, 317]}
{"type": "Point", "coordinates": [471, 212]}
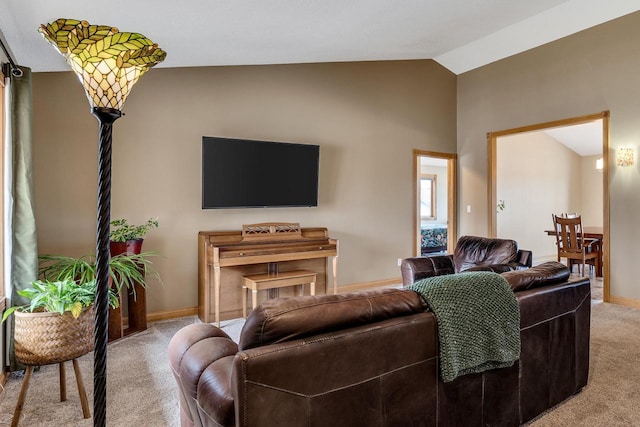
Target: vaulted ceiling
{"type": "Point", "coordinates": [459, 34]}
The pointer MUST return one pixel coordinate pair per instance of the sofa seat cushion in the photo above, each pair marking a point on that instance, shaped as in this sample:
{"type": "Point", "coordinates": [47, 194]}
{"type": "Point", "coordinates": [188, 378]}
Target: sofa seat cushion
{"type": "Point", "coordinates": [473, 251]}
{"type": "Point", "coordinates": [540, 275]}
{"type": "Point", "coordinates": [280, 320]}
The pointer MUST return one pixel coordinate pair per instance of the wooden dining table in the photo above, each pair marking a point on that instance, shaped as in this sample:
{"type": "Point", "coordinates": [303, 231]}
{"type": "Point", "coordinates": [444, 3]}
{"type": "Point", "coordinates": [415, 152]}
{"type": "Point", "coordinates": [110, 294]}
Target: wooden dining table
{"type": "Point", "coordinates": [591, 232]}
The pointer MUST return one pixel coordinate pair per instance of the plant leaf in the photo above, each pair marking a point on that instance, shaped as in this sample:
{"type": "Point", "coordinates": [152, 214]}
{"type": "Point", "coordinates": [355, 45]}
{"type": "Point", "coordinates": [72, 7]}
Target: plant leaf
{"type": "Point", "coordinates": [10, 310]}
{"type": "Point", "coordinates": [76, 309]}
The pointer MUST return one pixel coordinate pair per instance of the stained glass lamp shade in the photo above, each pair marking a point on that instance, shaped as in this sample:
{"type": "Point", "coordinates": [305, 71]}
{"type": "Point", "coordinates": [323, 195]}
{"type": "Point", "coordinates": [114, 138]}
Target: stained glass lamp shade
{"type": "Point", "coordinates": [107, 61]}
{"type": "Point", "coordinates": [108, 64]}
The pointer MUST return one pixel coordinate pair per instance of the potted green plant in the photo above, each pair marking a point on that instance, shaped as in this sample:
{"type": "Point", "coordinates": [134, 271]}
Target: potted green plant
{"type": "Point", "coordinates": [125, 270]}
{"type": "Point", "coordinates": [128, 238]}
{"type": "Point", "coordinates": [59, 297]}
{"type": "Point", "coordinates": [57, 325]}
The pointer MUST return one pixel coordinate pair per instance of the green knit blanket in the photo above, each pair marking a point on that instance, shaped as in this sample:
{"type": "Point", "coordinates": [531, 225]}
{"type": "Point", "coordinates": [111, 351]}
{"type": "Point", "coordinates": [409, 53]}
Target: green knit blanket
{"type": "Point", "coordinates": [478, 321]}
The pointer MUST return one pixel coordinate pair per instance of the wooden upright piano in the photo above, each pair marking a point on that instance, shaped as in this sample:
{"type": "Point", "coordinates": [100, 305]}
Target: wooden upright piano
{"type": "Point", "coordinates": [225, 257]}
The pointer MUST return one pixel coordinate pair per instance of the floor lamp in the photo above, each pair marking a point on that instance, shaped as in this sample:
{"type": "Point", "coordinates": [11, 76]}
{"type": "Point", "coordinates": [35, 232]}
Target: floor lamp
{"type": "Point", "coordinates": [108, 64]}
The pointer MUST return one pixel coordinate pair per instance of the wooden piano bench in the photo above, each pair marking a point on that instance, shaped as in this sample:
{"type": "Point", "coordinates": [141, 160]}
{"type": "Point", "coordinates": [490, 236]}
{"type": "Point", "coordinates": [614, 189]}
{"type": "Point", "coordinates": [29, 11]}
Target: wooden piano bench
{"type": "Point", "coordinates": [260, 282]}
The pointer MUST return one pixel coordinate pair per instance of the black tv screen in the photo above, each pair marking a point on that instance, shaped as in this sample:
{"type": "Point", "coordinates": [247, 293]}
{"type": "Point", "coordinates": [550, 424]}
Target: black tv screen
{"type": "Point", "coordinates": [241, 173]}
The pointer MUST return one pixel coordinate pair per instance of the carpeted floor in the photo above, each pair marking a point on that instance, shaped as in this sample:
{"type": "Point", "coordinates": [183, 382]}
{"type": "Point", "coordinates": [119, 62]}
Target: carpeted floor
{"type": "Point", "coordinates": [612, 396]}
{"type": "Point", "coordinates": [142, 391]}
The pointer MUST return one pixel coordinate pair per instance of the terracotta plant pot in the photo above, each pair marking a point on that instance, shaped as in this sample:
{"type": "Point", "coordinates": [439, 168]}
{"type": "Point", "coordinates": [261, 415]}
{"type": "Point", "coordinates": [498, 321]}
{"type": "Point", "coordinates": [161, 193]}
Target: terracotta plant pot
{"type": "Point", "coordinates": [130, 246]}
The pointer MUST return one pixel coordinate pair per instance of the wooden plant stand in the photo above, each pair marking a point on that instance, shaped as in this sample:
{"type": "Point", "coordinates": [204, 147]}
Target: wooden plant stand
{"type": "Point", "coordinates": [136, 311]}
{"type": "Point", "coordinates": [136, 302]}
{"type": "Point", "coordinates": [45, 338]}
{"type": "Point", "coordinates": [86, 412]}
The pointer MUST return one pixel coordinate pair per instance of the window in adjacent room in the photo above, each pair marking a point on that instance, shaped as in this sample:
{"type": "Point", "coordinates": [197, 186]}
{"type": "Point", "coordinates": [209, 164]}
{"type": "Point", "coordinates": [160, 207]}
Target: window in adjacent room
{"type": "Point", "coordinates": [427, 196]}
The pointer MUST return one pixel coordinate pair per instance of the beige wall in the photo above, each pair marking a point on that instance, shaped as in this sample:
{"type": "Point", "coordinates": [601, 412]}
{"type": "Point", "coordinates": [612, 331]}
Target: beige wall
{"type": "Point", "coordinates": [366, 117]}
{"type": "Point", "coordinates": [586, 73]}
{"type": "Point", "coordinates": [536, 176]}
{"type": "Point", "coordinates": [591, 189]}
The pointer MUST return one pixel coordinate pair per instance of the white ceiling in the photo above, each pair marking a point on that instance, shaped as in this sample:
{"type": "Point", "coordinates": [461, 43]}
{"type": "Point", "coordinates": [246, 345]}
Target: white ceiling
{"type": "Point", "coordinates": [459, 34]}
{"type": "Point", "coordinates": [585, 139]}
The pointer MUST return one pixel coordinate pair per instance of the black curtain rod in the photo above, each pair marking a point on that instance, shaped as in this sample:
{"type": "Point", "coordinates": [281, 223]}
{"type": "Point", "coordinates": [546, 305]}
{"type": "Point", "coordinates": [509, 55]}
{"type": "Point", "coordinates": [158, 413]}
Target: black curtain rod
{"type": "Point", "coordinates": [17, 72]}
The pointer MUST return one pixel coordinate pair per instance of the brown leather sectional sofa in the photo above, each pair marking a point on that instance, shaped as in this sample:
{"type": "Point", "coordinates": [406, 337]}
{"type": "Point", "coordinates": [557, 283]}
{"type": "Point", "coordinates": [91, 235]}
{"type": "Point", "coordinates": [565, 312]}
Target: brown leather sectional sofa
{"type": "Point", "coordinates": [371, 359]}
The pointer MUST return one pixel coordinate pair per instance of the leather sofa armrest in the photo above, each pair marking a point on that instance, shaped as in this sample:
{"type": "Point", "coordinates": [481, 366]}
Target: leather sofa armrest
{"type": "Point", "coordinates": [541, 275]}
{"type": "Point", "coordinates": [418, 268]}
{"type": "Point", "coordinates": [201, 358]}
{"type": "Point", "coordinates": [555, 335]}
{"type": "Point", "coordinates": [525, 258]}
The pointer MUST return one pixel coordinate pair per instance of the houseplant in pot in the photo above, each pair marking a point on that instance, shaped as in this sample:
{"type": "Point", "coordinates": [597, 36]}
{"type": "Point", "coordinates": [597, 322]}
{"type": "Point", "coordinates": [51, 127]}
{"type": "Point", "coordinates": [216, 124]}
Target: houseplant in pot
{"type": "Point", "coordinates": [56, 326]}
{"type": "Point", "coordinates": [125, 237]}
{"type": "Point", "coordinates": [126, 270]}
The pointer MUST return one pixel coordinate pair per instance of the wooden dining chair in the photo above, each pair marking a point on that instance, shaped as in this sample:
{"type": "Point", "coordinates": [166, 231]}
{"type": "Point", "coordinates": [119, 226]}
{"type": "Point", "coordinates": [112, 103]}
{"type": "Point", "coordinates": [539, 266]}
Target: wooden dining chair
{"type": "Point", "coordinates": [572, 245]}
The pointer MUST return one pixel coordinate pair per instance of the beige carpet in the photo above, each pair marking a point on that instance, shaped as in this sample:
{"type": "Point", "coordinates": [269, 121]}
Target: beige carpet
{"type": "Point", "coordinates": [142, 391]}
{"type": "Point", "coordinates": [596, 289]}
{"type": "Point", "coordinates": [612, 397]}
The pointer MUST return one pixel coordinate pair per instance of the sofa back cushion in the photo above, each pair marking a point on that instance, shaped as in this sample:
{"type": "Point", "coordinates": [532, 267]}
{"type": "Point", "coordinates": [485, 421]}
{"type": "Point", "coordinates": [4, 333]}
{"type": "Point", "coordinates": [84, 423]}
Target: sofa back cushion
{"type": "Point", "coordinates": [280, 320]}
{"type": "Point", "coordinates": [473, 251]}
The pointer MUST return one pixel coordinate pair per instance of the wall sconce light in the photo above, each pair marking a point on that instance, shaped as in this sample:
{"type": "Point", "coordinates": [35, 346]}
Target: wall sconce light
{"type": "Point", "coordinates": [624, 156]}
{"type": "Point", "coordinates": [108, 64]}
{"type": "Point", "coordinates": [600, 164]}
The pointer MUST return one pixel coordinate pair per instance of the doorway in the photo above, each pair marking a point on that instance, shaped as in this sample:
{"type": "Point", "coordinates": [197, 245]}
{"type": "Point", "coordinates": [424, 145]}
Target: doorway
{"type": "Point", "coordinates": [498, 206]}
{"type": "Point", "coordinates": [435, 202]}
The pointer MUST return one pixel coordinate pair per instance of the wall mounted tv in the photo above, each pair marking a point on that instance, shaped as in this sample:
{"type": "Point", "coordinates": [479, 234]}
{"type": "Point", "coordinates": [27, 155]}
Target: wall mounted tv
{"type": "Point", "coordinates": [242, 173]}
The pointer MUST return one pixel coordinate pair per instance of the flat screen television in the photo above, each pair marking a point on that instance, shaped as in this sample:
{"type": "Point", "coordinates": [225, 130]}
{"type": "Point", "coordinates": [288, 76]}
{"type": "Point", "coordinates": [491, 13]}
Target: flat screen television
{"type": "Point", "coordinates": [242, 173]}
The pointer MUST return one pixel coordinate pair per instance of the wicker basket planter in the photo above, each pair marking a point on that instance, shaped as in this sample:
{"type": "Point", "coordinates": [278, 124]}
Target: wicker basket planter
{"type": "Point", "coordinates": [47, 338]}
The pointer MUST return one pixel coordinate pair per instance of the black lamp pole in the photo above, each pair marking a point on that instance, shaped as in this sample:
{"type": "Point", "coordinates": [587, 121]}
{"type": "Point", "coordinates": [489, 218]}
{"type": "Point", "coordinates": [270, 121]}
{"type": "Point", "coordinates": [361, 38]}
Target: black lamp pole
{"type": "Point", "coordinates": [106, 117]}
{"type": "Point", "coordinates": [119, 63]}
